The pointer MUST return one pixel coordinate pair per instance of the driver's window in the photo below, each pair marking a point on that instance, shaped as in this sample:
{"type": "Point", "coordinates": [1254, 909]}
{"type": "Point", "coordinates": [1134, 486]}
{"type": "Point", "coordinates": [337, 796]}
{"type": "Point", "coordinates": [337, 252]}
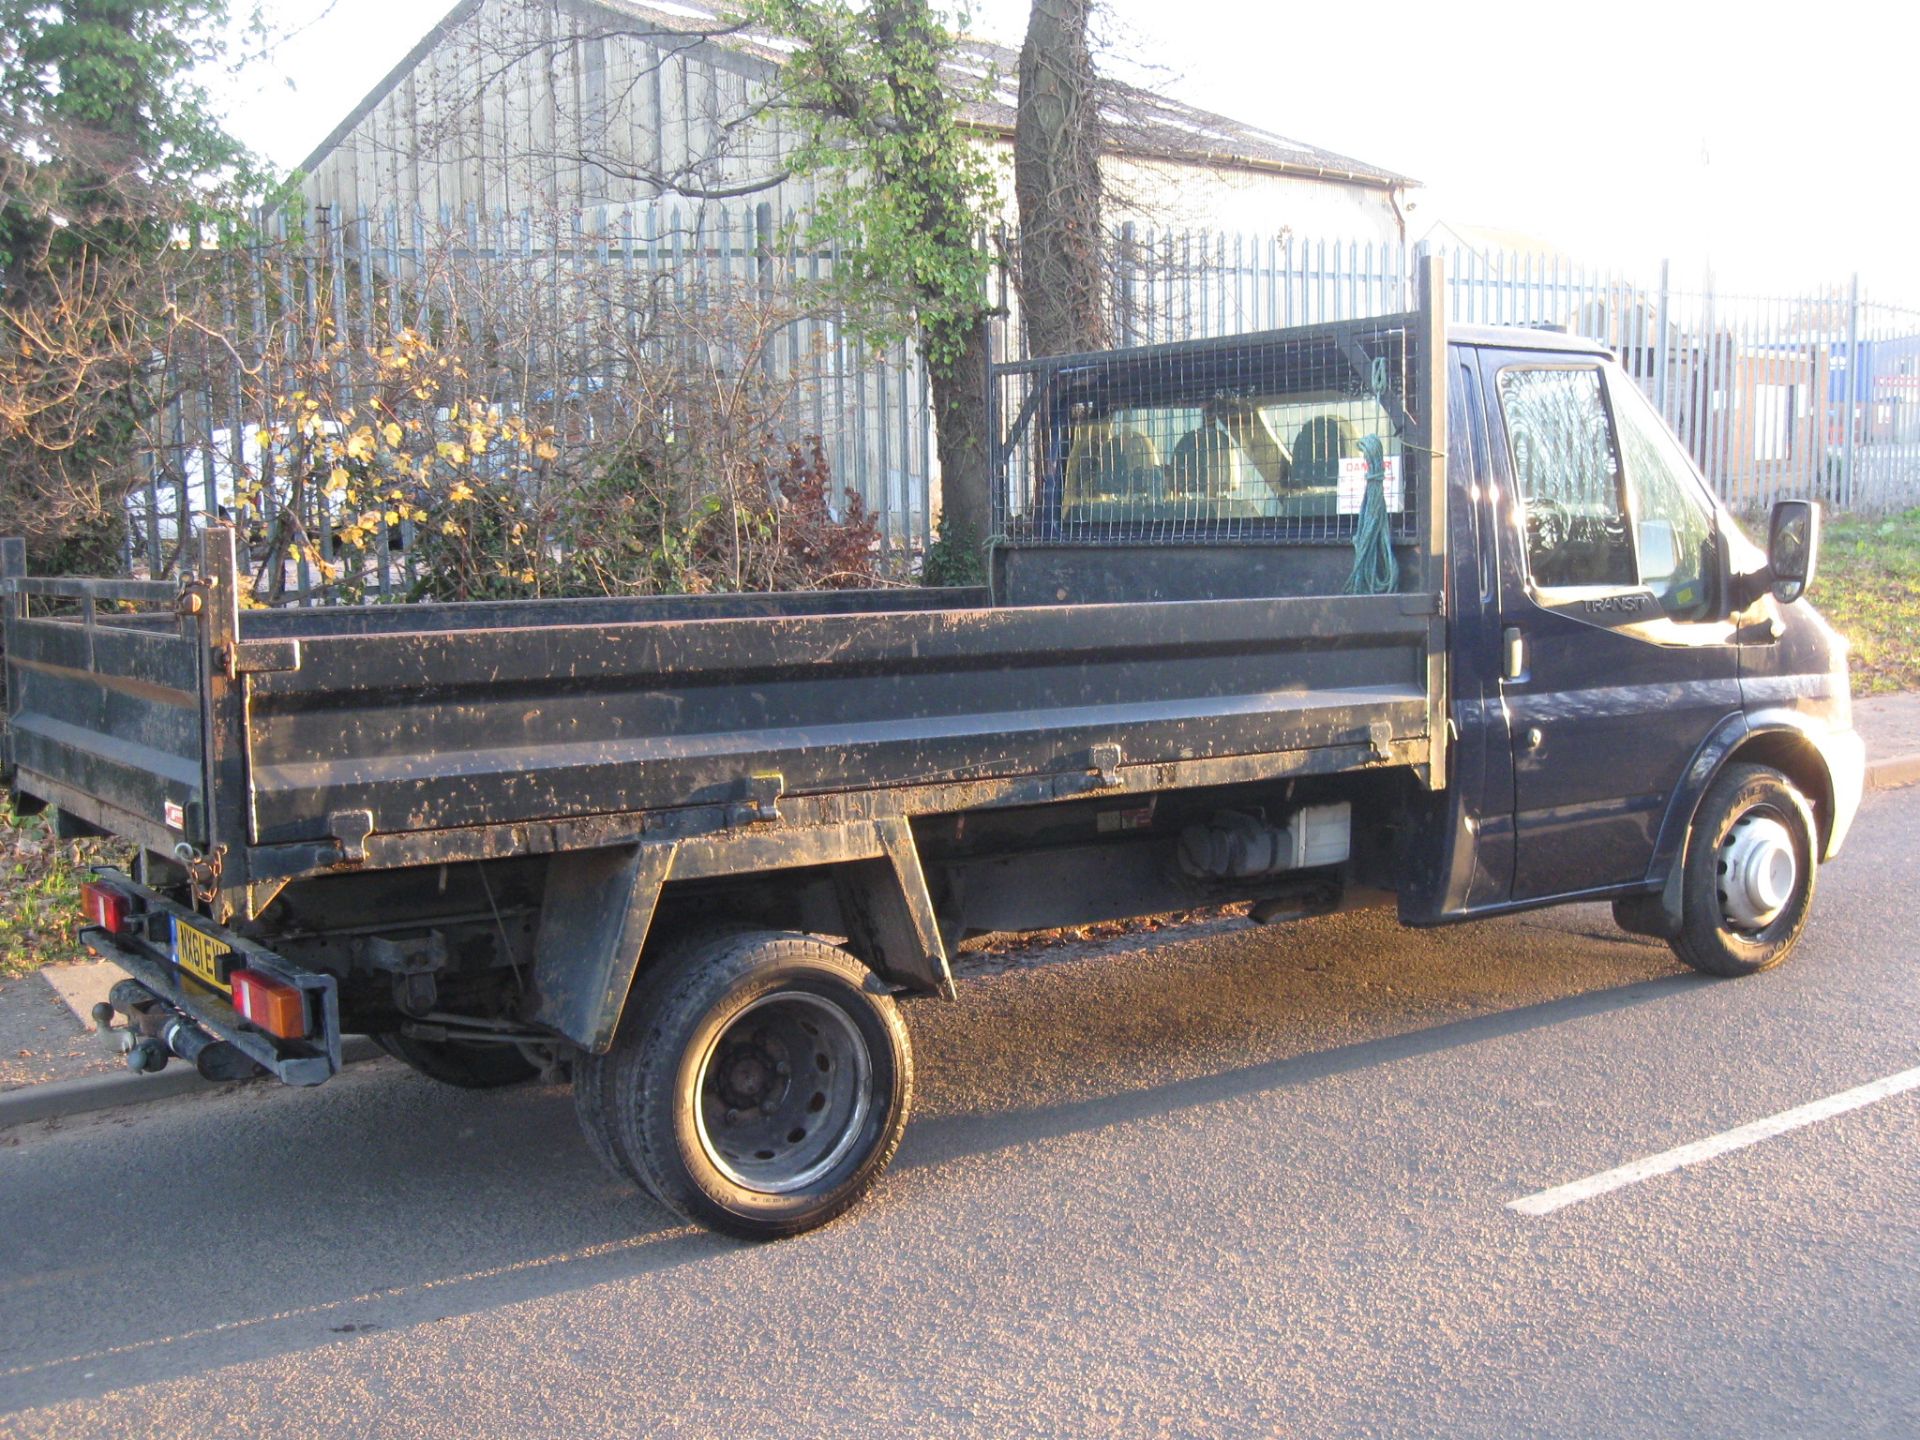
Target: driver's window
{"type": "Point", "coordinates": [1567, 472]}
{"type": "Point", "coordinates": [1673, 526]}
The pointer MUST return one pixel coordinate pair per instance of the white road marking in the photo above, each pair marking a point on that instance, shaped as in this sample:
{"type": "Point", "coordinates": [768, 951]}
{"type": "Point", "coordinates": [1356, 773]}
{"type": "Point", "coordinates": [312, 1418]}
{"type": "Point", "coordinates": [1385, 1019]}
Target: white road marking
{"type": "Point", "coordinates": [1545, 1202]}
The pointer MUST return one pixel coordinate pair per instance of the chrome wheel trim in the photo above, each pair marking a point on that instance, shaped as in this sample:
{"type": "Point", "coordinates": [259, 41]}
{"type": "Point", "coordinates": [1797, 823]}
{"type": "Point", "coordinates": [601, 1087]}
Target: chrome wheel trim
{"type": "Point", "coordinates": [1758, 871]}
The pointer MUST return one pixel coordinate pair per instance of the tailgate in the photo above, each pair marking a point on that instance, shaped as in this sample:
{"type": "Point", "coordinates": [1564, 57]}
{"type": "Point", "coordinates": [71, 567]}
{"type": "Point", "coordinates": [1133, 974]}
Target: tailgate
{"type": "Point", "coordinates": [104, 709]}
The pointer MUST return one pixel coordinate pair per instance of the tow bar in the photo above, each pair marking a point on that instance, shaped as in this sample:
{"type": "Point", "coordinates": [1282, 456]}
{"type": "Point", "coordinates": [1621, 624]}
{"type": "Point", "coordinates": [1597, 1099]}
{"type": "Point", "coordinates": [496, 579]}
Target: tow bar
{"type": "Point", "coordinates": [157, 1031]}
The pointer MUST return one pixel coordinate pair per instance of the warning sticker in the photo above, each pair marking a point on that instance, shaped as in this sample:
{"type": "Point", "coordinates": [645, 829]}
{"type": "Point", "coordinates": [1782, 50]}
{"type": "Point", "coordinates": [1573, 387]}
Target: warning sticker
{"type": "Point", "coordinates": [1352, 485]}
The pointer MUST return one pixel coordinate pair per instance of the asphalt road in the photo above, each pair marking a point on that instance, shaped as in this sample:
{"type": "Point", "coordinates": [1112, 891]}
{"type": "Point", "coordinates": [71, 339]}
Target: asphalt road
{"type": "Point", "coordinates": [1252, 1182]}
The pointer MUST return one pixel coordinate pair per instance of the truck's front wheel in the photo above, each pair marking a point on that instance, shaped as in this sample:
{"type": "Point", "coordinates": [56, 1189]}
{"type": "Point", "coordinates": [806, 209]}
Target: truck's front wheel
{"type": "Point", "coordinates": [1749, 876]}
{"type": "Point", "coordinates": [762, 1084]}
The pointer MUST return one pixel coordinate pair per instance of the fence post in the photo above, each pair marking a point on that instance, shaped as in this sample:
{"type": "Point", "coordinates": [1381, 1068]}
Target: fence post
{"type": "Point", "coordinates": [762, 229]}
{"type": "Point", "coordinates": [997, 498]}
{"type": "Point", "coordinates": [1660, 333]}
{"type": "Point", "coordinates": [1852, 388]}
{"type": "Point", "coordinates": [13, 566]}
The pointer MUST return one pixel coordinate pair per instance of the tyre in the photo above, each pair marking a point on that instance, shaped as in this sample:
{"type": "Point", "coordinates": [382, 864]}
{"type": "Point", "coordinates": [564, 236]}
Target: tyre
{"type": "Point", "coordinates": [762, 1083]}
{"type": "Point", "coordinates": [465, 1063]}
{"type": "Point", "coordinates": [1750, 871]}
{"type": "Point", "coordinates": [593, 1074]}
{"type": "Point", "coordinates": [590, 1074]}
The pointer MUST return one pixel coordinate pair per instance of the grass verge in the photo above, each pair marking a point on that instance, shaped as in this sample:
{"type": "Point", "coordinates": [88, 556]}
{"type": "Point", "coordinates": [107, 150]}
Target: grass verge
{"type": "Point", "coordinates": [1869, 587]}
{"type": "Point", "coordinates": [40, 878]}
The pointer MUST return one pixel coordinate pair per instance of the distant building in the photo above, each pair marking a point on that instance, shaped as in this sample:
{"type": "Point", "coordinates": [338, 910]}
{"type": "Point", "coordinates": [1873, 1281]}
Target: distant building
{"type": "Point", "coordinates": [511, 105]}
{"type": "Point", "coordinates": [1488, 243]}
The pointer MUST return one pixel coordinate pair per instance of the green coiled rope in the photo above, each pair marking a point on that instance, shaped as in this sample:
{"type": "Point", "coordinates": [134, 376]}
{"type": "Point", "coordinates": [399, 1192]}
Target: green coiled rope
{"type": "Point", "coordinates": [1375, 571]}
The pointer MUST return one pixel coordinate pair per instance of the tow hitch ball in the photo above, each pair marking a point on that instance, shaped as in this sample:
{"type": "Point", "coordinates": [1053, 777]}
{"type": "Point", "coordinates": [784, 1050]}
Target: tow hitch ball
{"type": "Point", "coordinates": [156, 1032]}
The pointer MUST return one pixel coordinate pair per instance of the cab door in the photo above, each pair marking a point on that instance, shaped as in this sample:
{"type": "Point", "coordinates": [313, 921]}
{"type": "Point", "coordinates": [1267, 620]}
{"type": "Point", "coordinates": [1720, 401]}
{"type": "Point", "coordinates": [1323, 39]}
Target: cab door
{"type": "Point", "coordinates": [1617, 657]}
{"type": "Point", "coordinates": [1482, 762]}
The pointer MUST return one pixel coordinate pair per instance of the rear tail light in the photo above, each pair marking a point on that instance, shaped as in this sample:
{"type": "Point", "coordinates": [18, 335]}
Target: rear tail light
{"type": "Point", "coordinates": [275, 1006]}
{"type": "Point", "coordinates": [105, 907]}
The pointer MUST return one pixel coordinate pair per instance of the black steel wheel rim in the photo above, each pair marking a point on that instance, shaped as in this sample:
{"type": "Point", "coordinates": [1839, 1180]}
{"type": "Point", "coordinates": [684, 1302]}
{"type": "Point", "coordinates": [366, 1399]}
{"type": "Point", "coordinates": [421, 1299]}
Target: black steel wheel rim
{"type": "Point", "coordinates": [783, 1092]}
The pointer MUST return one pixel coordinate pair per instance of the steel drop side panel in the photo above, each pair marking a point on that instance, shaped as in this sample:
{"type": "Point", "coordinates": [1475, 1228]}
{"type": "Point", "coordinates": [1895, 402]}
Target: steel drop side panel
{"type": "Point", "coordinates": [439, 731]}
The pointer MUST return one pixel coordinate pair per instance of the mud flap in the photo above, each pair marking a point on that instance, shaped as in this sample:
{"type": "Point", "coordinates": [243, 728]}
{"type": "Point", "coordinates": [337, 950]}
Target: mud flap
{"type": "Point", "coordinates": [889, 914]}
{"type": "Point", "coordinates": [594, 920]}
{"type": "Point", "coordinates": [1656, 915]}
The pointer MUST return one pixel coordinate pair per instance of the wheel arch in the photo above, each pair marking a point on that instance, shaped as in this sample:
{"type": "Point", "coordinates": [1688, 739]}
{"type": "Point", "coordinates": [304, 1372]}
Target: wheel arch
{"type": "Point", "coordinates": [1779, 739]}
{"type": "Point", "coordinates": [605, 911]}
{"type": "Point", "coordinates": [1796, 755]}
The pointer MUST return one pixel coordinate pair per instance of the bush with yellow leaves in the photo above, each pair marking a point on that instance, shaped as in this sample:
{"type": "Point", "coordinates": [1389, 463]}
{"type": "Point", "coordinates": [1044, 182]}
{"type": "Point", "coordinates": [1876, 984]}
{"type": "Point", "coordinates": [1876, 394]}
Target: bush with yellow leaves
{"type": "Point", "coordinates": [398, 471]}
{"type": "Point", "coordinates": [391, 446]}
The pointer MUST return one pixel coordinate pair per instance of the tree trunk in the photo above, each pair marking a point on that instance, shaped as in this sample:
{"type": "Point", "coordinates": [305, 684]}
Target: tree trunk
{"type": "Point", "coordinates": [1056, 179]}
{"type": "Point", "coordinates": [959, 389]}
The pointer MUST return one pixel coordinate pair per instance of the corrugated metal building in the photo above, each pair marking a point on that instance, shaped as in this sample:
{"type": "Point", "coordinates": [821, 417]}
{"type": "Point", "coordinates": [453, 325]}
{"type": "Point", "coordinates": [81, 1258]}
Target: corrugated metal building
{"type": "Point", "coordinates": [514, 105]}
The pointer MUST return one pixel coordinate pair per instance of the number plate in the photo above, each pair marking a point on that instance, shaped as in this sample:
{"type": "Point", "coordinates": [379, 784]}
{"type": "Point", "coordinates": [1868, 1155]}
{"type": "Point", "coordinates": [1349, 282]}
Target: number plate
{"type": "Point", "coordinates": [200, 955]}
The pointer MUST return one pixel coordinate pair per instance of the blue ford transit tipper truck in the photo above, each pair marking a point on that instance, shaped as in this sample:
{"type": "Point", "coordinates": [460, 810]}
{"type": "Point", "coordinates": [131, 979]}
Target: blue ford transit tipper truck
{"type": "Point", "coordinates": [1351, 613]}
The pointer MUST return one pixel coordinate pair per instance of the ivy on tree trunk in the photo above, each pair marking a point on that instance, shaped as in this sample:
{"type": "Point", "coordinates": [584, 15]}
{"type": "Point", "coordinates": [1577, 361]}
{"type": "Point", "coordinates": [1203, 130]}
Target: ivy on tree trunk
{"type": "Point", "coordinates": [905, 192]}
{"type": "Point", "coordinates": [1056, 170]}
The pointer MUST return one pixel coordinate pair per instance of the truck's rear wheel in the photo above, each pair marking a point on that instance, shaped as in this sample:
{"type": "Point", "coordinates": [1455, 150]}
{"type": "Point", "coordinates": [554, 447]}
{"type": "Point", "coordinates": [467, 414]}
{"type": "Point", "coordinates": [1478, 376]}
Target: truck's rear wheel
{"type": "Point", "coordinates": [1749, 879]}
{"type": "Point", "coordinates": [472, 1065]}
{"type": "Point", "coordinates": [591, 1075]}
{"type": "Point", "coordinates": [763, 1084]}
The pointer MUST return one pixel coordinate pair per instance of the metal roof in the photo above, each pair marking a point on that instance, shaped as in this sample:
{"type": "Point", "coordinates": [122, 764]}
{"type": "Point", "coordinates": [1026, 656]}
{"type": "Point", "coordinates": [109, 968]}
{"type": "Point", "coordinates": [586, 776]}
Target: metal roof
{"type": "Point", "coordinates": [1150, 125]}
{"type": "Point", "coordinates": [1140, 123]}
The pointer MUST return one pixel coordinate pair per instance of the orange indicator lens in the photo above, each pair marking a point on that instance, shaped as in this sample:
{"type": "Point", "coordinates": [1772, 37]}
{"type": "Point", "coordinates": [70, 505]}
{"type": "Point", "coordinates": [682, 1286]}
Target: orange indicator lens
{"type": "Point", "coordinates": [275, 1006]}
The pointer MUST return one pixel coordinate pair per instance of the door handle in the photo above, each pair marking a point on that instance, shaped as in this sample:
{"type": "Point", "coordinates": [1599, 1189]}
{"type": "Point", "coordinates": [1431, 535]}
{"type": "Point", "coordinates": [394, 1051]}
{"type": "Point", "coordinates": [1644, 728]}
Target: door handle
{"type": "Point", "coordinates": [1513, 653]}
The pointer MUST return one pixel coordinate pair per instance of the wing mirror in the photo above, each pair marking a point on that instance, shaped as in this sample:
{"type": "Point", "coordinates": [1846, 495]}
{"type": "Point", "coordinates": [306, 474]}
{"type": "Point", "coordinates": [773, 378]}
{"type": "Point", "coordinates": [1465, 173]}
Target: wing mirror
{"type": "Point", "coordinates": [1793, 545]}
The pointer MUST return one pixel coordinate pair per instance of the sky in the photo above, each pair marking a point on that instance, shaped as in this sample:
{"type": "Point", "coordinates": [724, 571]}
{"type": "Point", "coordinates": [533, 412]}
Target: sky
{"type": "Point", "coordinates": [1776, 146]}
